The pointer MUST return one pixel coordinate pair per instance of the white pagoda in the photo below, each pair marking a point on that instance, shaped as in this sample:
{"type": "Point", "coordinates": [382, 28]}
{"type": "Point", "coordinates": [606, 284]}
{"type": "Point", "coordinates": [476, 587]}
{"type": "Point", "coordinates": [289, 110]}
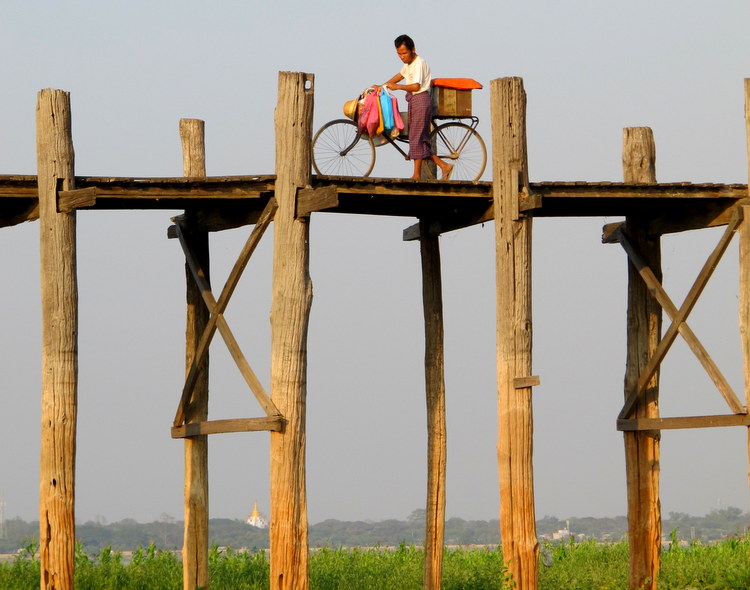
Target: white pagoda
{"type": "Point", "coordinates": [256, 519]}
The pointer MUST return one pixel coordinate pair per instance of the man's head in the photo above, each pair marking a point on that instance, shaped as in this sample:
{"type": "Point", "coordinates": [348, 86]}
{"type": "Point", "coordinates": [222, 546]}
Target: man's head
{"type": "Point", "coordinates": [405, 48]}
{"type": "Point", "coordinates": [404, 40]}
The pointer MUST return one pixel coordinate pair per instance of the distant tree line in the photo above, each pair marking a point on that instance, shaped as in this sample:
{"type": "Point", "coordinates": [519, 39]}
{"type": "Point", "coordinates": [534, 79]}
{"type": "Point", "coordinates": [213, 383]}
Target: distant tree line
{"type": "Point", "coordinates": [166, 533]}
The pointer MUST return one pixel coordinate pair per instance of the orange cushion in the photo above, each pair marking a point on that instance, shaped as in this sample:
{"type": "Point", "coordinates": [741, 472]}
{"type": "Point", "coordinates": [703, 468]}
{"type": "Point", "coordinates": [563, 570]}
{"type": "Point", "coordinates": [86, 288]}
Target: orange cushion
{"type": "Point", "coordinates": [457, 83]}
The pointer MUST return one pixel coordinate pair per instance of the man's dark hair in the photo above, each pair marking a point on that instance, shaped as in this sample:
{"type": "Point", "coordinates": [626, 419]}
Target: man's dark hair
{"type": "Point", "coordinates": [404, 40]}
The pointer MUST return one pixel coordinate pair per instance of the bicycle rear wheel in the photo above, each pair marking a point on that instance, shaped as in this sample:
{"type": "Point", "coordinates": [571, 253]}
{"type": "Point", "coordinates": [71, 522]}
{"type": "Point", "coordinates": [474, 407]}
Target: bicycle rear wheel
{"type": "Point", "coordinates": [339, 149]}
{"type": "Point", "coordinates": [462, 146]}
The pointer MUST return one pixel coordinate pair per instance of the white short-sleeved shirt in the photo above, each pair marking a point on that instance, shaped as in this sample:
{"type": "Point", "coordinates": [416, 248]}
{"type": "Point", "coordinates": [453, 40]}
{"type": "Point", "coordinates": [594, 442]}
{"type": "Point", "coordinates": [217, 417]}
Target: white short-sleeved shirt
{"type": "Point", "coordinates": [417, 72]}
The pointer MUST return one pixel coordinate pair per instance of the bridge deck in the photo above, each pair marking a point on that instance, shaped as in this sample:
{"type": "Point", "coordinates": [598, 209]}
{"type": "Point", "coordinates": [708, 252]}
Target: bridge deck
{"type": "Point", "coordinates": [234, 200]}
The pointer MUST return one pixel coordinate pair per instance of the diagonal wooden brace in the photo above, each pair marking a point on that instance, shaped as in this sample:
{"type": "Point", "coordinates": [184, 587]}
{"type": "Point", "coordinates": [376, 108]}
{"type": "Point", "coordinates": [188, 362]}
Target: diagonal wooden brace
{"type": "Point", "coordinates": [216, 319]}
{"type": "Point", "coordinates": [679, 318]}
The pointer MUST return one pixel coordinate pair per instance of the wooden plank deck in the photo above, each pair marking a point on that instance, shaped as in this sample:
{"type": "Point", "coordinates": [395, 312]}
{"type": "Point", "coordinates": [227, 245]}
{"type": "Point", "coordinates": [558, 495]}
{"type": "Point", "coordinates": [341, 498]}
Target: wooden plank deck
{"type": "Point", "coordinates": [235, 200]}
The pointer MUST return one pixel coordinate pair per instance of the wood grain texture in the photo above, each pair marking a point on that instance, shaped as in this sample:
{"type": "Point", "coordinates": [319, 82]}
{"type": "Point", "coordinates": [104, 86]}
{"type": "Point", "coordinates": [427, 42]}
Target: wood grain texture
{"type": "Point", "coordinates": [521, 382]}
{"type": "Point", "coordinates": [195, 429]}
{"type": "Point", "coordinates": [59, 286]}
{"type": "Point", "coordinates": [68, 201]}
{"type": "Point", "coordinates": [316, 199]}
{"type": "Point", "coordinates": [644, 330]}
{"type": "Point", "coordinates": [514, 331]}
{"type": "Point", "coordinates": [290, 313]}
{"type": "Point", "coordinates": [437, 449]}
{"type": "Point", "coordinates": [717, 421]}
{"type": "Point", "coordinates": [638, 155]}
{"type": "Point", "coordinates": [744, 287]}
{"type": "Point", "coordinates": [195, 537]}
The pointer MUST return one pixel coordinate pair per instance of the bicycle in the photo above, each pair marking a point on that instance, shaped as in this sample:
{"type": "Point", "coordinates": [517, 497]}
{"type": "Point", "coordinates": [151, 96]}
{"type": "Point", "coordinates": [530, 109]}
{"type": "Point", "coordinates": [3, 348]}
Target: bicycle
{"type": "Point", "coordinates": [340, 149]}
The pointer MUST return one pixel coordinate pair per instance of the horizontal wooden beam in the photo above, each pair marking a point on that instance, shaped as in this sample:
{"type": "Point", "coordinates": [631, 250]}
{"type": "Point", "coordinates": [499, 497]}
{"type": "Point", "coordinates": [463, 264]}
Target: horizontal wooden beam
{"type": "Point", "coordinates": [522, 382]}
{"type": "Point", "coordinates": [228, 187]}
{"type": "Point", "coordinates": [611, 232]}
{"type": "Point", "coordinates": [274, 423]}
{"type": "Point", "coordinates": [671, 207]}
{"type": "Point", "coordinates": [144, 193]}
{"type": "Point", "coordinates": [214, 218]}
{"type": "Point", "coordinates": [19, 211]}
{"type": "Point", "coordinates": [310, 200]}
{"type": "Point", "coordinates": [529, 202]}
{"type": "Point", "coordinates": [627, 190]}
{"type": "Point", "coordinates": [223, 187]}
{"type": "Point", "coordinates": [414, 232]}
{"type": "Point", "coordinates": [710, 214]}
{"type": "Point", "coordinates": [441, 226]}
{"type": "Point", "coordinates": [370, 186]}
{"type": "Point", "coordinates": [18, 186]}
{"type": "Point", "coordinates": [68, 201]}
{"type": "Point", "coordinates": [635, 424]}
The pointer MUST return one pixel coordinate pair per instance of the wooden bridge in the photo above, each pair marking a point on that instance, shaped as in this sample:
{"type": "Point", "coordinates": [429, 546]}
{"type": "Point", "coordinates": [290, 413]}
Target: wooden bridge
{"type": "Point", "coordinates": [231, 201]}
{"type": "Point", "coordinates": [288, 200]}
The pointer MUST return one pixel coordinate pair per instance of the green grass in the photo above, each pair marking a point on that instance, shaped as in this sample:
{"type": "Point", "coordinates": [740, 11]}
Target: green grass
{"type": "Point", "coordinates": [568, 566]}
{"type": "Point", "coordinates": [402, 569]}
{"type": "Point", "coordinates": [725, 565]}
{"type": "Point", "coordinates": [590, 565]}
{"type": "Point", "coordinates": [575, 566]}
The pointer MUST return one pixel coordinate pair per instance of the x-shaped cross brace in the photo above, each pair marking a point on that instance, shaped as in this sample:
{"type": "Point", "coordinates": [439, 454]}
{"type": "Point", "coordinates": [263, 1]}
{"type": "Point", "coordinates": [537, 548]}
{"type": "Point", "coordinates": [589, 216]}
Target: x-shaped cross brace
{"type": "Point", "coordinates": [216, 319]}
{"type": "Point", "coordinates": [679, 317]}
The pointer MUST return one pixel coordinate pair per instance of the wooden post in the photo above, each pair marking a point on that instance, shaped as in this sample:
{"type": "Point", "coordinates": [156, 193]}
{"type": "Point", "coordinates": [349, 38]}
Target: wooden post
{"type": "Point", "coordinates": [644, 332]}
{"type": "Point", "coordinates": [744, 303]}
{"type": "Point", "coordinates": [55, 160]}
{"type": "Point", "coordinates": [435, 389]}
{"type": "Point", "coordinates": [195, 543]}
{"type": "Point", "coordinates": [513, 308]}
{"type": "Point", "coordinates": [290, 313]}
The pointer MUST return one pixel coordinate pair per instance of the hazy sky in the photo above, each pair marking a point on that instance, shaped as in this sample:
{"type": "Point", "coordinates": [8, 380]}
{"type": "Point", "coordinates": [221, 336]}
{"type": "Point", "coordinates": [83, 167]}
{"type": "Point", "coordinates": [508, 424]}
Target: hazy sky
{"type": "Point", "coordinates": [590, 68]}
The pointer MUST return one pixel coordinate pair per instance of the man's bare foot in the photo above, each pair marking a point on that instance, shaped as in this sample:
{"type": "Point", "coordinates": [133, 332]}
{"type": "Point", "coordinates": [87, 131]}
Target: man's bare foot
{"type": "Point", "coordinates": [447, 171]}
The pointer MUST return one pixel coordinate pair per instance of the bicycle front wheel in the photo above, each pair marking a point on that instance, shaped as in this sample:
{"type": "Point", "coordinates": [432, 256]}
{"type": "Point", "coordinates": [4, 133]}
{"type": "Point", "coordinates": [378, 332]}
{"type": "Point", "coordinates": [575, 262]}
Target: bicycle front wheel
{"type": "Point", "coordinates": [339, 149]}
{"type": "Point", "coordinates": [462, 146]}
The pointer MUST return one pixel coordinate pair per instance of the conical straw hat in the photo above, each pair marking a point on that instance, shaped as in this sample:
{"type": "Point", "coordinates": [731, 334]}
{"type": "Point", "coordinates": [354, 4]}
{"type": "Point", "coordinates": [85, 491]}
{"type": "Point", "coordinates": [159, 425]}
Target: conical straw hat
{"type": "Point", "coordinates": [350, 108]}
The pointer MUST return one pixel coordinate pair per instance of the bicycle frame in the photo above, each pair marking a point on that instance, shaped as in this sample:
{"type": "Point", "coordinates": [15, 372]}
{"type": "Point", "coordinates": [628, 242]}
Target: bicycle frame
{"type": "Point", "coordinates": [435, 123]}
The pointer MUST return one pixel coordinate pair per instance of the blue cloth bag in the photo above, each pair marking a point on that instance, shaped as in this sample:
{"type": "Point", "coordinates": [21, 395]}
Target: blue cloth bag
{"type": "Point", "coordinates": [386, 104]}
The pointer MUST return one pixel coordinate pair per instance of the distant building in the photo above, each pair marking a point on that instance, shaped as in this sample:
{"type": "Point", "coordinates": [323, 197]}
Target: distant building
{"type": "Point", "coordinates": [562, 534]}
{"type": "Point", "coordinates": [256, 519]}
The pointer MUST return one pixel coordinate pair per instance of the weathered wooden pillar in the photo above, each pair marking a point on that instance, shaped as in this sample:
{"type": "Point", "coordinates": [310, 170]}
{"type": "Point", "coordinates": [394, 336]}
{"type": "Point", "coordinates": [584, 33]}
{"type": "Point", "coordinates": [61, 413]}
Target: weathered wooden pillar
{"type": "Point", "coordinates": [644, 332]}
{"type": "Point", "coordinates": [195, 542]}
{"type": "Point", "coordinates": [513, 308]}
{"type": "Point", "coordinates": [434, 363]}
{"type": "Point", "coordinates": [744, 303]}
{"type": "Point", "coordinates": [59, 286]}
{"type": "Point", "coordinates": [290, 313]}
